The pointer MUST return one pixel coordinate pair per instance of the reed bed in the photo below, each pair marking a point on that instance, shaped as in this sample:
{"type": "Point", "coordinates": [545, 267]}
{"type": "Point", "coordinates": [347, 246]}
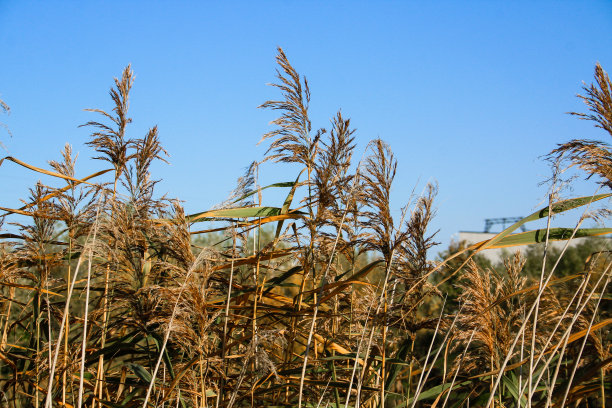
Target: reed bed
{"type": "Point", "coordinates": [111, 296]}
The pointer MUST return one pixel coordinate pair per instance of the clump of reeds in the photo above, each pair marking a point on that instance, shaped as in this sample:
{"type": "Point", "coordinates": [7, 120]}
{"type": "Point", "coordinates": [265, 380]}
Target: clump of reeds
{"type": "Point", "coordinates": [326, 299]}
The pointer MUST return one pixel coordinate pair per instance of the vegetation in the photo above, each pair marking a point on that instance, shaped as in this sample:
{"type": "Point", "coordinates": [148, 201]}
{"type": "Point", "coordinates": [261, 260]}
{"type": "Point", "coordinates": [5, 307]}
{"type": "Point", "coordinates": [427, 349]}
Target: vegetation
{"type": "Point", "coordinates": [5, 109]}
{"type": "Point", "coordinates": [326, 300]}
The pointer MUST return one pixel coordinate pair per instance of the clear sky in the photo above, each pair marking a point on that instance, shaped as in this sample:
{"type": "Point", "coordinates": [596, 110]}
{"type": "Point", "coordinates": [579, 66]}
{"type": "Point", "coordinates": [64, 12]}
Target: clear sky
{"type": "Point", "coordinates": [467, 93]}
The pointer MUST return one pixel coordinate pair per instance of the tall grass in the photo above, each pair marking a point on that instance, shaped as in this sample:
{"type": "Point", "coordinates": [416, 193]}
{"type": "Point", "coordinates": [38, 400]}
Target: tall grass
{"type": "Point", "coordinates": [109, 299]}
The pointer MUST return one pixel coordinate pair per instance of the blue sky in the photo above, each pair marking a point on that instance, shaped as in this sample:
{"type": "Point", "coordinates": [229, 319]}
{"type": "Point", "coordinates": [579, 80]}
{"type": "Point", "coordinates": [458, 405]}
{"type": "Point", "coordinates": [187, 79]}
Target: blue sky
{"type": "Point", "coordinates": [470, 94]}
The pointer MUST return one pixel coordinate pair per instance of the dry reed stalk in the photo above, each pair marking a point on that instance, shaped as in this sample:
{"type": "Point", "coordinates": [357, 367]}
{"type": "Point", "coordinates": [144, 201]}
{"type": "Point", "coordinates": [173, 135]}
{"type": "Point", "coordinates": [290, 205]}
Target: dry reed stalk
{"type": "Point", "coordinates": [423, 380]}
{"type": "Point", "coordinates": [369, 345]}
{"type": "Point", "coordinates": [580, 292]}
{"type": "Point", "coordinates": [563, 341]}
{"type": "Point", "coordinates": [196, 264]}
{"type": "Point", "coordinates": [450, 388]}
{"type": "Point", "coordinates": [63, 327]}
{"type": "Point", "coordinates": [113, 147]}
{"type": "Point", "coordinates": [320, 291]}
{"type": "Point", "coordinates": [528, 315]}
{"type": "Point", "coordinates": [221, 393]}
{"type": "Point", "coordinates": [537, 306]}
{"type": "Point", "coordinates": [568, 331]}
{"type": "Point", "coordinates": [85, 322]}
